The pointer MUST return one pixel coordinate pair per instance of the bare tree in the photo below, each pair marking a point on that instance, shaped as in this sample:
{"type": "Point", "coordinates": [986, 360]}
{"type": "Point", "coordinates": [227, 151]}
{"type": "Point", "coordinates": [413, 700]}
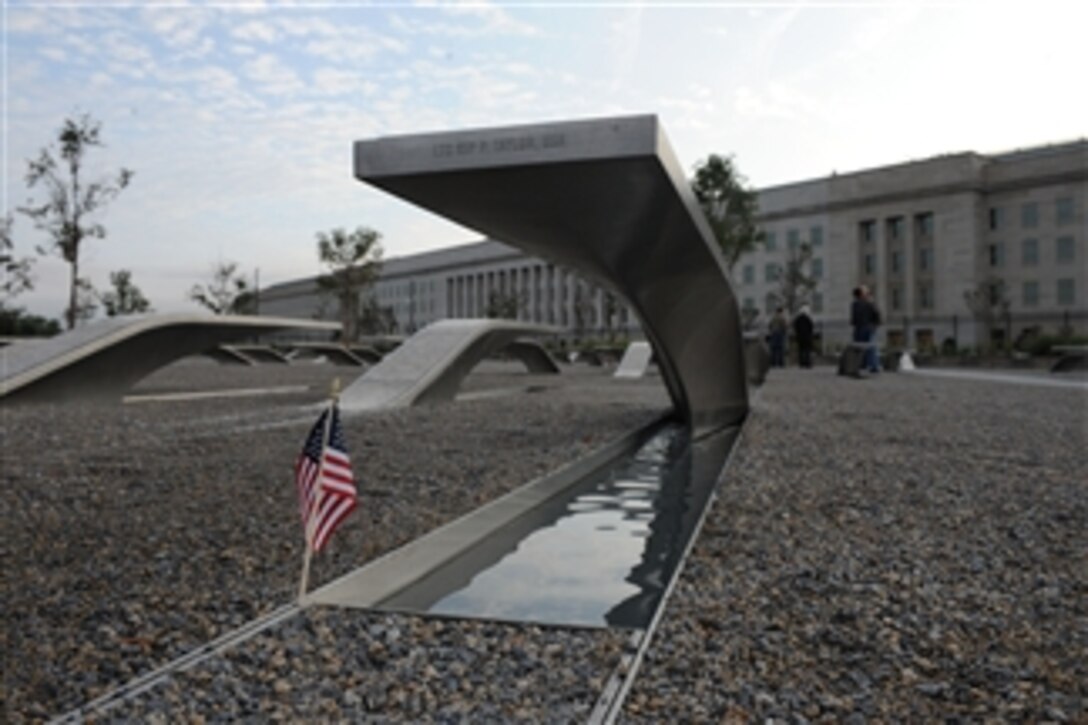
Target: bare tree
{"type": "Point", "coordinates": [66, 214]}
{"type": "Point", "coordinates": [795, 280]}
{"type": "Point", "coordinates": [125, 298]}
{"type": "Point", "coordinates": [354, 263]}
{"type": "Point", "coordinates": [226, 293]}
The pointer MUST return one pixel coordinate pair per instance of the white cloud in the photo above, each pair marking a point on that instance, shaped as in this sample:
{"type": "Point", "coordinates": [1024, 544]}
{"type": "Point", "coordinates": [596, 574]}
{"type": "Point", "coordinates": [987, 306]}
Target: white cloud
{"type": "Point", "coordinates": [53, 53]}
{"type": "Point", "coordinates": [177, 26]}
{"type": "Point", "coordinates": [256, 30]}
{"type": "Point", "coordinates": [272, 75]}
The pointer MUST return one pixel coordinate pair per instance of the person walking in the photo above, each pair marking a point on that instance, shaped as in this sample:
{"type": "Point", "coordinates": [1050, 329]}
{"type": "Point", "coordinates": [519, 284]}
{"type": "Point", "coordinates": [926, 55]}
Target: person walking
{"type": "Point", "coordinates": [803, 330]}
{"type": "Point", "coordinates": [779, 328]}
{"type": "Point", "coordinates": [864, 318]}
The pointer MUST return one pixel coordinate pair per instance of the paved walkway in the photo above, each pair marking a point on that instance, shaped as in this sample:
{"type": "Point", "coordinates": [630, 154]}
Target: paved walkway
{"type": "Point", "coordinates": [1052, 380]}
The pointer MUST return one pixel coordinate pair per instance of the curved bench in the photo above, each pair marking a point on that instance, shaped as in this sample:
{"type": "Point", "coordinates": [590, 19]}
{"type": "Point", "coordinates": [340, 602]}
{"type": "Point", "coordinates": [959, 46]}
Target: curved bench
{"type": "Point", "coordinates": [103, 360]}
{"type": "Point", "coordinates": [608, 198]}
{"type": "Point", "coordinates": [430, 365]}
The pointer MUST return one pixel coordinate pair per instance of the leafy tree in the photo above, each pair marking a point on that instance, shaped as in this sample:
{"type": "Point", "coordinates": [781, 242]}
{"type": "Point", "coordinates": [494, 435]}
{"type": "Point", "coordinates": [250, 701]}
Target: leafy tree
{"type": "Point", "coordinates": [14, 321]}
{"type": "Point", "coordinates": [125, 298]}
{"type": "Point", "coordinates": [354, 263]}
{"type": "Point", "coordinates": [226, 294]}
{"type": "Point", "coordinates": [66, 214]}
{"type": "Point", "coordinates": [17, 276]}
{"type": "Point", "coordinates": [730, 206]}
{"type": "Point", "coordinates": [374, 319]}
{"type": "Point", "coordinates": [795, 280]}
{"type": "Point", "coordinates": [503, 305]}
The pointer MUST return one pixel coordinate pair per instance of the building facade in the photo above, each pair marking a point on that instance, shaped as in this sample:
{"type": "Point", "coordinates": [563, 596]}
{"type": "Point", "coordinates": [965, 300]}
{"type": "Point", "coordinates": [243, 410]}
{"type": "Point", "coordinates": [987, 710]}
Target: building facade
{"type": "Point", "coordinates": [965, 249]}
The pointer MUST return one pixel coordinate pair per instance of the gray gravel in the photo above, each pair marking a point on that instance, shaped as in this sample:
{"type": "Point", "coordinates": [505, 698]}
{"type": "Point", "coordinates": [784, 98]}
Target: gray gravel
{"type": "Point", "coordinates": [134, 533]}
{"type": "Point", "coordinates": [898, 548]}
{"type": "Point", "coordinates": [894, 549]}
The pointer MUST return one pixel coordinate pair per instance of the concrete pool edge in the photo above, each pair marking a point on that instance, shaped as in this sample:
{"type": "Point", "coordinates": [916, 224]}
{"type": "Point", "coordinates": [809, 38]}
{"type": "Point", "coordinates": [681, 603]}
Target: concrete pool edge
{"type": "Point", "coordinates": [393, 572]}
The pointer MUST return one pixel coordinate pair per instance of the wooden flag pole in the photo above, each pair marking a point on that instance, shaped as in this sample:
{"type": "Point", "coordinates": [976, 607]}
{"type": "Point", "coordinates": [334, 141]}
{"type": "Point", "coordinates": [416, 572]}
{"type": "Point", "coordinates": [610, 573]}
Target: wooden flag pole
{"type": "Point", "coordinates": [311, 525]}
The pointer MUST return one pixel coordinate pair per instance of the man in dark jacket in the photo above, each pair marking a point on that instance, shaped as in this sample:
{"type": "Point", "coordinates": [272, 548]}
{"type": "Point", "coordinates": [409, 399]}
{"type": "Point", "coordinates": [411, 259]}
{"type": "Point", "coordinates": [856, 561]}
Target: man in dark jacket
{"type": "Point", "coordinates": [803, 331]}
{"type": "Point", "coordinates": [865, 318]}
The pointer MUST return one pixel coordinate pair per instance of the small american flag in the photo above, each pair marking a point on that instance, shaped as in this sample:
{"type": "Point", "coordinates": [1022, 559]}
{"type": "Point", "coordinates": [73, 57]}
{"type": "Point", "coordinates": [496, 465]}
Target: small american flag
{"type": "Point", "coordinates": [326, 485]}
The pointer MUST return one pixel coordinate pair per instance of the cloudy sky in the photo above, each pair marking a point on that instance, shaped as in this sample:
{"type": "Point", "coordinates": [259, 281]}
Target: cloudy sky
{"type": "Point", "coordinates": [238, 117]}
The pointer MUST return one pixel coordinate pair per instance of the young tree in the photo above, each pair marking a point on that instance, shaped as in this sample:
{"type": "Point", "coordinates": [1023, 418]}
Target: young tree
{"type": "Point", "coordinates": [227, 292]}
{"type": "Point", "coordinates": [67, 213]}
{"type": "Point", "coordinates": [86, 303]}
{"type": "Point", "coordinates": [729, 206]}
{"type": "Point", "coordinates": [125, 298]}
{"type": "Point", "coordinates": [354, 263]}
{"type": "Point", "coordinates": [795, 280]}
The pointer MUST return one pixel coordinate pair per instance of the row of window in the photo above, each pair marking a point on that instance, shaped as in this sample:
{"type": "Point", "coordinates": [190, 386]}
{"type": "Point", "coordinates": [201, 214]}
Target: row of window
{"type": "Point", "coordinates": [1065, 293]}
{"type": "Point", "coordinates": [1064, 213]}
{"type": "Point", "coordinates": [772, 271]}
{"type": "Point", "coordinates": [1065, 252]}
{"type": "Point", "coordinates": [772, 303]}
{"type": "Point", "coordinates": [924, 255]}
{"type": "Point", "coordinates": [924, 298]}
{"type": "Point", "coordinates": [895, 228]}
{"type": "Point", "coordinates": [793, 238]}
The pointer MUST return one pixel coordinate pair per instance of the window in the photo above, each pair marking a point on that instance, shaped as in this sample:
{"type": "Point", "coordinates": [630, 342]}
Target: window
{"type": "Point", "coordinates": [1065, 252]}
{"type": "Point", "coordinates": [817, 302]}
{"type": "Point", "coordinates": [1031, 294]}
{"type": "Point", "coordinates": [925, 259]}
{"type": "Point", "coordinates": [770, 272]}
{"type": "Point", "coordinates": [923, 225]}
{"type": "Point", "coordinates": [770, 243]}
{"type": "Point", "coordinates": [895, 228]}
{"type": "Point", "coordinates": [1066, 292]}
{"type": "Point", "coordinates": [925, 296]}
{"type": "Point", "coordinates": [792, 239]}
{"type": "Point", "coordinates": [869, 264]}
{"type": "Point", "coordinates": [816, 235]}
{"type": "Point", "coordinates": [1063, 211]}
{"type": "Point", "coordinates": [1029, 252]}
{"type": "Point", "coordinates": [1029, 215]}
{"type": "Point", "coordinates": [867, 231]}
{"type": "Point", "coordinates": [997, 217]}
{"type": "Point", "coordinates": [749, 274]}
{"type": "Point", "coordinates": [896, 260]}
{"type": "Point", "coordinates": [895, 298]}
{"type": "Point", "coordinates": [817, 268]}
{"type": "Point", "coordinates": [997, 254]}
{"type": "Point", "coordinates": [996, 292]}
{"type": "Point", "coordinates": [749, 303]}
{"type": "Point", "coordinates": [770, 302]}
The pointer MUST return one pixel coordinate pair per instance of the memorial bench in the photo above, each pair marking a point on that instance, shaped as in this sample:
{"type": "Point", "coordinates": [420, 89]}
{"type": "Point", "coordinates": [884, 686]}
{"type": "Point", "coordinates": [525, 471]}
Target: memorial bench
{"type": "Point", "coordinates": [852, 358]}
{"type": "Point", "coordinates": [1071, 357]}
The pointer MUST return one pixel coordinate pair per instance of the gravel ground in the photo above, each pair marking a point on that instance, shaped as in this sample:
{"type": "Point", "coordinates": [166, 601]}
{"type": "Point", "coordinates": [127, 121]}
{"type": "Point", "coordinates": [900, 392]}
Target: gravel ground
{"type": "Point", "coordinates": [134, 533]}
{"type": "Point", "coordinates": [900, 548]}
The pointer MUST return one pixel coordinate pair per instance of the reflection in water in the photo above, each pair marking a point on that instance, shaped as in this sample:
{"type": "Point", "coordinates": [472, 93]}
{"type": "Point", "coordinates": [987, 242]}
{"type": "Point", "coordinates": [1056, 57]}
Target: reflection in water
{"type": "Point", "coordinates": [601, 557]}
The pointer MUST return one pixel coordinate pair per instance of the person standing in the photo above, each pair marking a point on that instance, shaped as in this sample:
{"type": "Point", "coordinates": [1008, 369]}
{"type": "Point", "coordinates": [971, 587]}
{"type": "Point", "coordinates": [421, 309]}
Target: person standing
{"type": "Point", "coordinates": [778, 330]}
{"type": "Point", "coordinates": [803, 330]}
{"type": "Point", "coordinates": [873, 353]}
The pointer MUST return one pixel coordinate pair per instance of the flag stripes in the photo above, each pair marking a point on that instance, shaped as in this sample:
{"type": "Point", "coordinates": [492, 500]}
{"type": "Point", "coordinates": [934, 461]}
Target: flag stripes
{"type": "Point", "coordinates": [325, 482]}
